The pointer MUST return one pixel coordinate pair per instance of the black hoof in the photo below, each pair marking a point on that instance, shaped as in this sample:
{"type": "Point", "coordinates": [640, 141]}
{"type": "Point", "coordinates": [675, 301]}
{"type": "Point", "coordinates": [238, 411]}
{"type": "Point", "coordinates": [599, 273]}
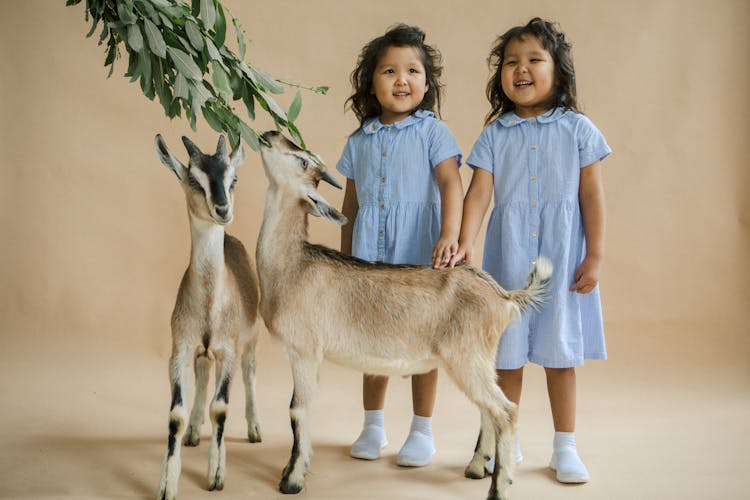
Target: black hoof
{"type": "Point", "coordinates": [289, 488]}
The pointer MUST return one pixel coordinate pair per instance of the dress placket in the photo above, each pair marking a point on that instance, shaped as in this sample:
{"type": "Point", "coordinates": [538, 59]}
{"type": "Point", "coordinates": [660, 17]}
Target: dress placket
{"type": "Point", "coordinates": [534, 190]}
{"type": "Point", "coordinates": [385, 140]}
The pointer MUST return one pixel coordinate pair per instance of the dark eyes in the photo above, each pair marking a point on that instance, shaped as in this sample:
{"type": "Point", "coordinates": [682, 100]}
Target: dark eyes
{"type": "Point", "coordinates": [234, 183]}
{"type": "Point", "coordinates": [194, 184]}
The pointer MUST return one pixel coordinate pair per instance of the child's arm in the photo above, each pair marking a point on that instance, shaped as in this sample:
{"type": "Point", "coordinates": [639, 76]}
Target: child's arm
{"type": "Point", "coordinates": [349, 208]}
{"type": "Point", "coordinates": [451, 193]}
{"type": "Point", "coordinates": [475, 206]}
{"type": "Point", "coordinates": [591, 198]}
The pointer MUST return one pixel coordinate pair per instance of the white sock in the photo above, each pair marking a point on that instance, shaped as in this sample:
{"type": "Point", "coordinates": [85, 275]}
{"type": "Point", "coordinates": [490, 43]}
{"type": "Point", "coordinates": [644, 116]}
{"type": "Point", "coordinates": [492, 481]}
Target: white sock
{"type": "Point", "coordinates": [419, 447]}
{"type": "Point", "coordinates": [372, 438]}
{"type": "Point", "coordinates": [565, 460]}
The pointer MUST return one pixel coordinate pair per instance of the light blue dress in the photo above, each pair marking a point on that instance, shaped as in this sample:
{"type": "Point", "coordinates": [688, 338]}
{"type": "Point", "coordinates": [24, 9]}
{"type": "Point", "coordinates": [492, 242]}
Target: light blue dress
{"type": "Point", "coordinates": [392, 166]}
{"type": "Point", "coordinates": [536, 167]}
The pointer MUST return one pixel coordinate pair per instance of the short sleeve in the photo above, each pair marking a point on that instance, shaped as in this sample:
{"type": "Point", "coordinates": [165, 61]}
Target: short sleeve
{"type": "Point", "coordinates": [481, 154]}
{"type": "Point", "coordinates": [345, 165]}
{"type": "Point", "coordinates": [591, 144]}
{"type": "Point", "coordinates": [443, 145]}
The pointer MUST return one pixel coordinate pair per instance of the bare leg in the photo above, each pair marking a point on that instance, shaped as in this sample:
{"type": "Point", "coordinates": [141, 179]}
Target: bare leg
{"type": "Point", "coordinates": [193, 434]}
{"type": "Point", "coordinates": [561, 387]}
{"type": "Point", "coordinates": [511, 382]}
{"type": "Point", "coordinates": [423, 393]}
{"type": "Point", "coordinates": [373, 391]}
{"type": "Point", "coordinates": [178, 421]}
{"type": "Point", "coordinates": [248, 374]}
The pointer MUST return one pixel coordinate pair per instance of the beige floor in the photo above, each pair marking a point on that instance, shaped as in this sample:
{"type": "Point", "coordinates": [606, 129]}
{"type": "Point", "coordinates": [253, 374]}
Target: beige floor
{"type": "Point", "coordinates": [90, 422]}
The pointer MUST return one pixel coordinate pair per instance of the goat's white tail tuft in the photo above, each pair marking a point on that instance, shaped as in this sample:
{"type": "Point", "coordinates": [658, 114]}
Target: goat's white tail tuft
{"type": "Point", "coordinates": [535, 292]}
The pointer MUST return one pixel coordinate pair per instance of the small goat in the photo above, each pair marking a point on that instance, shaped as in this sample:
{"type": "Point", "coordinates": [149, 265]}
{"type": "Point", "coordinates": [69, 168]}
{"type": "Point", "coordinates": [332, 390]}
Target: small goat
{"type": "Point", "coordinates": [378, 318]}
{"type": "Point", "coordinates": [215, 316]}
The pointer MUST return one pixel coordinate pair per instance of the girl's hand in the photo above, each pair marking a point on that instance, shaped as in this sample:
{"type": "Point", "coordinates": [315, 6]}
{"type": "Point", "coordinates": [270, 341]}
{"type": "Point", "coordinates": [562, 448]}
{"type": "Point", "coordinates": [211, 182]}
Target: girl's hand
{"type": "Point", "coordinates": [586, 276]}
{"type": "Point", "coordinates": [464, 253]}
{"type": "Point", "coordinates": [443, 251]}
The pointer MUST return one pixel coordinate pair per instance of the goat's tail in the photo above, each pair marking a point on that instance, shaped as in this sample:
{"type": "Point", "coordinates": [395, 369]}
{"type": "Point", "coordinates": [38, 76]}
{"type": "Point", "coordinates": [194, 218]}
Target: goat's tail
{"type": "Point", "coordinates": [535, 292]}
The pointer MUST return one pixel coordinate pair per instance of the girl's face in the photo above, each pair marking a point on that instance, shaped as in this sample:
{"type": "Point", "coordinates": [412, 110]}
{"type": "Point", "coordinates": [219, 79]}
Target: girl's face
{"type": "Point", "coordinates": [399, 83]}
{"type": "Point", "coordinates": [528, 76]}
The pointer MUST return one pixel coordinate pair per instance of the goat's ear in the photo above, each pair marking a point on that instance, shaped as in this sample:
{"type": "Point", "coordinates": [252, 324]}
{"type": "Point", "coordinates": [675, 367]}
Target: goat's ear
{"type": "Point", "coordinates": [319, 207]}
{"type": "Point", "coordinates": [237, 155]}
{"type": "Point", "coordinates": [162, 151]}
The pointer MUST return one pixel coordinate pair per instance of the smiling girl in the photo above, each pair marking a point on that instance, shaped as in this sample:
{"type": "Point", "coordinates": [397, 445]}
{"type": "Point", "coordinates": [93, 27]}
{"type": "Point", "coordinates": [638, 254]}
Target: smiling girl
{"type": "Point", "coordinates": [404, 194]}
{"type": "Point", "coordinates": [542, 160]}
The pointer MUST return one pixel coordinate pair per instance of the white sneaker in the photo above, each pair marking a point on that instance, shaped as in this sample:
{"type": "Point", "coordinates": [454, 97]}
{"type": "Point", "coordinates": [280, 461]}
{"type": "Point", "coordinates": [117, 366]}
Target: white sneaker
{"type": "Point", "coordinates": [369, 443]}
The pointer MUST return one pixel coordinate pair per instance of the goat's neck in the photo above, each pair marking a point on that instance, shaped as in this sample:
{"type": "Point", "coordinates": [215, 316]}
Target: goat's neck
{"type": "Point", "coordinates": [283, 232]}
{"type": "Point", "coordinates": [207, 247]}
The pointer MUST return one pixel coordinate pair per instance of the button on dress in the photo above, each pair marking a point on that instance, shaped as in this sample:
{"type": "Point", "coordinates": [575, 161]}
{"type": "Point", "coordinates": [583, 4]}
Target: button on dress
{"type": "Point", "coordinates": [393, 168]}
{"type": "Point", "coordinates": [536, 166]}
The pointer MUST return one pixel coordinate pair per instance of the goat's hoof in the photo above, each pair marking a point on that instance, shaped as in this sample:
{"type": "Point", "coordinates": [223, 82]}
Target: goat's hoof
{"type": "Point", "coordinates": [290, 487]}
{"type": "Point", "coordinates": [253, 435]}
{"type": "Point", "coordinates": [216, 485]}
{"type": "Point", "coordinates": [192, 437]}
{"type": "Point", "coordinates": [472, 473]}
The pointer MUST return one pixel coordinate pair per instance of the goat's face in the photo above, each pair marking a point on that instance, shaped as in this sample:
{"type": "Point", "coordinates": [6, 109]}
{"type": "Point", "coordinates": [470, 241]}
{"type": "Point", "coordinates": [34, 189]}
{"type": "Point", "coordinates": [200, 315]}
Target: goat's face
{"type": "Point", "coordinates": [208, 180]}
{"type": "Point", "coordinates": [299, 171]}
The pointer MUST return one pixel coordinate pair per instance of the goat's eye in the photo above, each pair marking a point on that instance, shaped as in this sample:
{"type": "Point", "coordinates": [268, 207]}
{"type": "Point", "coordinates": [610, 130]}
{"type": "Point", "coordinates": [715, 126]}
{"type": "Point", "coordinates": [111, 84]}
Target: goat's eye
{"type": "Point", "coordinates": [234, 183]}
{"type": "Point", "coordinates": [194, 184]}
{"type": "Point", "coordinates": [305, 163]}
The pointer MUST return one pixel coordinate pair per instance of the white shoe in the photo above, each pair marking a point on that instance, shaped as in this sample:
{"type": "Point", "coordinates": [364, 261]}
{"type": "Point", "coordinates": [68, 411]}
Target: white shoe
{"type": "Point", "coordinates": [369, 443]}
{"type": "Point", "coordinates": [568, 466]}
{"type": "Point", "coordinates": [417, 451]}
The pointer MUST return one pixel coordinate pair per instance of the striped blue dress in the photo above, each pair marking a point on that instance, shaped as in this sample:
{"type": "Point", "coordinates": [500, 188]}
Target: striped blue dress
{"type": "Point", "coordinates": [392, 166]}
{"type": "Point", "coordinates": [536, 167]}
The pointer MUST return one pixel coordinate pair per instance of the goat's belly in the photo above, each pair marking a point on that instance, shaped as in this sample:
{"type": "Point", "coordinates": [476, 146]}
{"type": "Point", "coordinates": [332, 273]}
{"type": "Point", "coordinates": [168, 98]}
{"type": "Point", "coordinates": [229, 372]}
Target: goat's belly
{"type": "Point", "coordinates": [382, 366]}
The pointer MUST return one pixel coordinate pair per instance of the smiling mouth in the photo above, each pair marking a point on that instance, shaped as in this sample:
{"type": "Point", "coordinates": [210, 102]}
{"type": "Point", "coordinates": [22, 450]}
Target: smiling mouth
{"type": "Point", "coordinates": [401, 94]}
{"type": "Point", "coordinates": [523, 83]}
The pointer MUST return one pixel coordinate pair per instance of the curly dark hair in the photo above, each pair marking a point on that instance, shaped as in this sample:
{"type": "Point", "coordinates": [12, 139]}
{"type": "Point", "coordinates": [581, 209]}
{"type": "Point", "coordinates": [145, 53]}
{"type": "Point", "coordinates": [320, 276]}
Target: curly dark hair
{"type": "Point", "coordinates": [554, 41]}
{"type": "Point", "coordinates": [362, 102]}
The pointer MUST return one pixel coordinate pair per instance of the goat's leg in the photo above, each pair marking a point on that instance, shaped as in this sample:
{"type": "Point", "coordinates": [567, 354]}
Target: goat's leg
{"type": "Point", "coordinates": [248, 374]}
{"type": "Point", "coordinates": [177, 423]}
{"type": "Point", "coordinates": [305, 375]}
{"type": "Point", "coordinates": [480, 464]}
{"type": "Point", "coordinates": [476, 377]}
{"type": "Point", "coordinates": [217, 453]}
{"type": "Point", "coordinates": [193, 434]}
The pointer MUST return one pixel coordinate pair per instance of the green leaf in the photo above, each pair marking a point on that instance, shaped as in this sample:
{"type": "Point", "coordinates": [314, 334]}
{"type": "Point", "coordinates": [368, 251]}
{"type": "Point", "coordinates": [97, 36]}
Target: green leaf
{"type": "Point", "coordinates": [161, 3]}
{"type": "Point", "coordinates": [295, 107]}
{"type": "Point", "coordinates": [213, 119]}
{"type": "Point", "coordinates": [273, 106]}
{"type": "Point", "coordinates": [135, 39]}
{"type": "Point", "coordinates": [220, 26]}
{"type": "Point", "coordinates": [221, 81]}
{"type": "Point", "coordinates": [166, 20]}
{"type": "Point", "coordinates": [250, 135]}
{"type": "Point", "coordinates": [126, 13]}
{"type": "Point", "coordinates": [247, 98]}
{"type": "Point", "coordinates": [213, 52]}
{"type": "Point", "coordinates": [321, 90]}
{"type": "Point", "coordinates": [267, 81]}
{"type": "Point", "coordinates": [194, 34]}
{"type": "Point", "coordinates": [181, 88]}
{"type": "Point", "coordinates": [196, 7]}
{"type": "Point", "coordinates": [208, 13]}
{"type": "Point", "coordinates": [155, 40]}
{"type": "Point", "coordinates": [185, 64]}
{"type": "Point", "coordinates": [240, 38]}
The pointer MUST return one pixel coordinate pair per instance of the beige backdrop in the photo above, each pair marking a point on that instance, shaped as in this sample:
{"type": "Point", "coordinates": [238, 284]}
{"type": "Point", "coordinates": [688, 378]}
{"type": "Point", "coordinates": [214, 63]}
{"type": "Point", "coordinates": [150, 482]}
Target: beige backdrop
{"type": "Point", "coordinates": [95, 239]}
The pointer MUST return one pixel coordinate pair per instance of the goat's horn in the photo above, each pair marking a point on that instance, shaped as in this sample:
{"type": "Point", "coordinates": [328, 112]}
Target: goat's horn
{"type": "Point", "coordinates": [192, 149]}
{"type": "Point", "coordinates": [221, 148]}
{"type": "Point", "coordinates": [330, 180]}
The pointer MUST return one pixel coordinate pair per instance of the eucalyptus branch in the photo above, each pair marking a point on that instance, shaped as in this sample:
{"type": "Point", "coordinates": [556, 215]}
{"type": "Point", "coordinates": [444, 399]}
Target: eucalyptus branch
{"type": "Point", "coordinates": [177, 52]}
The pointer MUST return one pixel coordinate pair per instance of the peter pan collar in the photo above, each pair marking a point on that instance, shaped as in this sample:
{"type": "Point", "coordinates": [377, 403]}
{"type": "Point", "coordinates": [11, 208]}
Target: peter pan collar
{"type": "Point", "coordinates": [510, 119]}
{"type": "Point", "coordinates": [374, 125]}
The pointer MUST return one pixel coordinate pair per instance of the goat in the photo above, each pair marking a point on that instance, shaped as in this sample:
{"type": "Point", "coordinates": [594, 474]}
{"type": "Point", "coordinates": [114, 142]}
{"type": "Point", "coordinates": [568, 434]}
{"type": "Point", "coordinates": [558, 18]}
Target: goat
{"type": "Point", "coordinates": [377, 318]}
{"type": "Point", "coordinates": [215, 316]}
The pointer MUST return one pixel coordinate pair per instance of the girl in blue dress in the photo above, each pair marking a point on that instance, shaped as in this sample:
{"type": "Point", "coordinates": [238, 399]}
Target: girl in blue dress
{"type": "Point", "coordinates": [404, 194]}
{"type": "Point", "coordinates": [542, 159]}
